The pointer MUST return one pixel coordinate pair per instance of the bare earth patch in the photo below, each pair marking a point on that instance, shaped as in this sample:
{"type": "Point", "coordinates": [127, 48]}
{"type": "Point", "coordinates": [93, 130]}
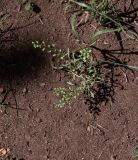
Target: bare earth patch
{"type": "Point", "coordinates": [31, 128]}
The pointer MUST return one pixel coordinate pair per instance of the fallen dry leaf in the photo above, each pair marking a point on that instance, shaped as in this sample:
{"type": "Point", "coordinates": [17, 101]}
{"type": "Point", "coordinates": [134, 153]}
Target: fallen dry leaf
{"type": "Point", "coordinates": [4, 152]}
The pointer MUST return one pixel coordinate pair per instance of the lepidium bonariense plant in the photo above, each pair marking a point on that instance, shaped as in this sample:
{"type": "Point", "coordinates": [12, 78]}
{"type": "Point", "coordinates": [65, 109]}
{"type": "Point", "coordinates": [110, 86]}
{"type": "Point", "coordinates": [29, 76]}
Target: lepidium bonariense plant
{"type": "Point", "coordinates": [81, 68]}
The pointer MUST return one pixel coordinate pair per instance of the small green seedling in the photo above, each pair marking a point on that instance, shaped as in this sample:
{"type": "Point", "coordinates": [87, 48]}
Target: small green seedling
{"type": "Point", "coordinates": [135, 154]}
{"type": "Point", "coordinates": [41, 45]}
{"type": "Point", "coordinates": [27, 5]}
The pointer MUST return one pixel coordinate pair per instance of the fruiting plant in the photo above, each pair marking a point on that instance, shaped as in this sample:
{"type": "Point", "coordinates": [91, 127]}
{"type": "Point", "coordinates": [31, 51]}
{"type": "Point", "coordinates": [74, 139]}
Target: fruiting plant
{"type": "Point", "coordinates": [81, 68]}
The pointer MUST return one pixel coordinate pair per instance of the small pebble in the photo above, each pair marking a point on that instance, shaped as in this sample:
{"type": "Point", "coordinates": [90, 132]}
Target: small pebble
{"type": "Point", "coordinates": [88, 128]}
{"type": "Point", "coordinates": [25, 90]}
{"type": "Point", "coordinates": [1, 90]}
{"type": "Point", "coordinates": [136, 80]}
{"type": "Point", "coordinates": [42, 84]}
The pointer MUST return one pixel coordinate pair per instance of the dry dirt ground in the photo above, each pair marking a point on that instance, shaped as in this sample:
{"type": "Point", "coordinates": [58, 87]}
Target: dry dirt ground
{"type": "Point", "coordinates": [30, 125]}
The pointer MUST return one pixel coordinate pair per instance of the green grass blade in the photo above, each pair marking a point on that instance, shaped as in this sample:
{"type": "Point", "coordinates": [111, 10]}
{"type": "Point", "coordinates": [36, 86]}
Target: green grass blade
{"type": "Point", "coordinates": [135, 154]}
{"type": "Point", "coordinates": [74, 26]}
{"type": "Point", "coordinates": [135, 68]}
{"type": "Point", "coordinates": [104, 31]}
{"type": "Point", "coordinates": [81, 4]}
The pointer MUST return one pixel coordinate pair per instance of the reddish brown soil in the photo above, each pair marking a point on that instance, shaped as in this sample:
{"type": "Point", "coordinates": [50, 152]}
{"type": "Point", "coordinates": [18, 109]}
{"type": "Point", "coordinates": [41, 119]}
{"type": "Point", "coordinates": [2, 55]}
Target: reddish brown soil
{"type": "Point", "coordinates": [30, 126]}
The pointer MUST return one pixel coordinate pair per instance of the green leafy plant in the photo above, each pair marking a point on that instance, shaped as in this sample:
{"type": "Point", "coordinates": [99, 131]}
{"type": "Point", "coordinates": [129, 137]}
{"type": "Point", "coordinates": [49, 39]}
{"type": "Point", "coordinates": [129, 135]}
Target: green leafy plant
{"type": "Point", "coordinates": [12, 157]}
{"type": "Point", "coordinates": [81, 68]}
{"type": "Point", "coordinates": [27, 5]}
{"type": "Point", "coordinates": [41, 45]}
{"type": "Point", "coordinates": [103, 12]}
{"type": "Point", "coordinates": [135, 154]}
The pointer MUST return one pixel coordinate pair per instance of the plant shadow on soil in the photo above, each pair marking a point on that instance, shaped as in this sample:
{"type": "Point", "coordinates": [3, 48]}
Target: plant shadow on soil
{"type": "Point", "coordinates": [105, 92]}
{"type": "Point", "coordinates": [24, 61]}
{"type": "Point", "coordinates": [129, 16]}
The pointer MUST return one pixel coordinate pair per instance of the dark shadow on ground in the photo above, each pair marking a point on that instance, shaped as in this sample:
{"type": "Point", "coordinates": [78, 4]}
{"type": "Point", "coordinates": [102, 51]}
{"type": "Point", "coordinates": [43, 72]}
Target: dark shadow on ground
{"type": "Point", "coordinates": [21, 60]}
{"type": "Point", "coordinates": [125, 19]}
{"type": "Point", "coordinates": [19, 63]}
{"type": "Point", "coordinates": [18, 58]}
{"type": "Point", "coordinates": [115, 52]}
{"type": "Point", "coordinates": [105, 92]}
